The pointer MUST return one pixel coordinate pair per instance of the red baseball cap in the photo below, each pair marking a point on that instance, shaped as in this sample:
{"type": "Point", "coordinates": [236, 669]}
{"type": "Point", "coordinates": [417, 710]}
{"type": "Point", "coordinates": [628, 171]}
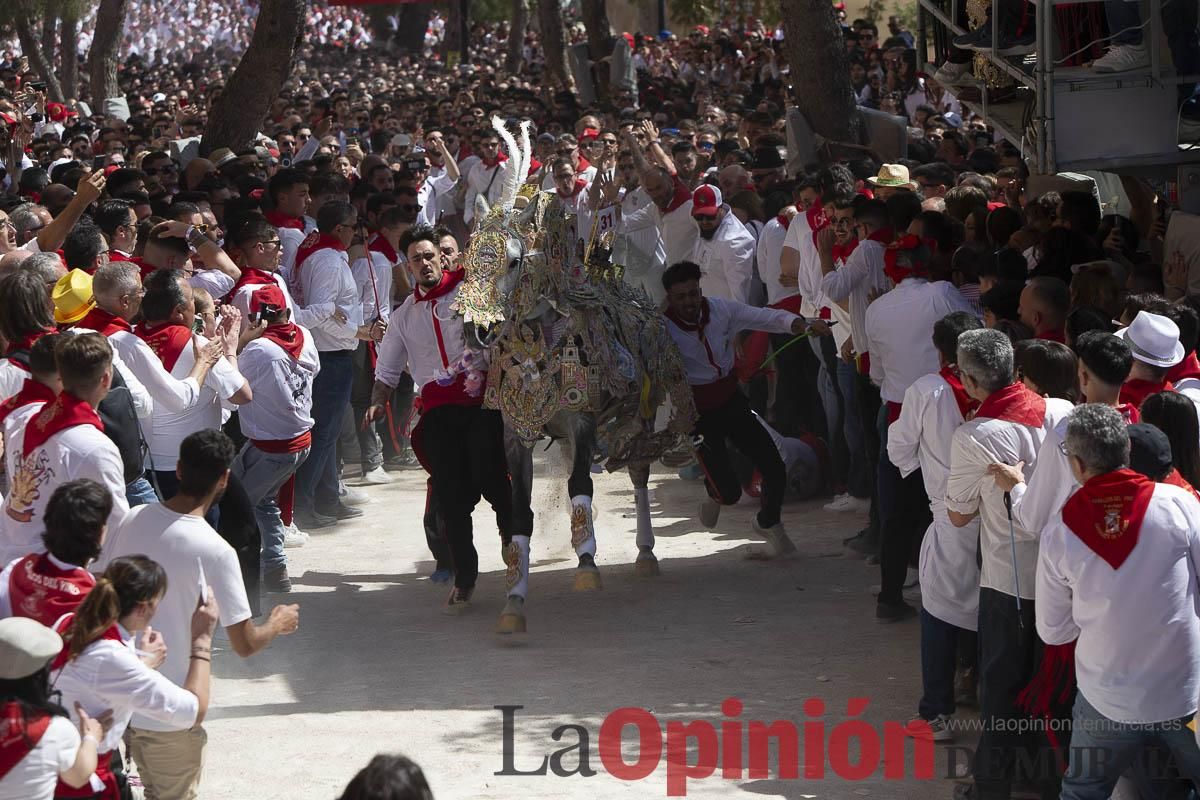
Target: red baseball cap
{"type": "Point", "coordinates": [269, 295]}
{"type": "Point", "coordinates": [589, 134]}
{"type": "Point", "coordinates": [706, 201]}
{"type": "Point", "coordinates": [57, 112]}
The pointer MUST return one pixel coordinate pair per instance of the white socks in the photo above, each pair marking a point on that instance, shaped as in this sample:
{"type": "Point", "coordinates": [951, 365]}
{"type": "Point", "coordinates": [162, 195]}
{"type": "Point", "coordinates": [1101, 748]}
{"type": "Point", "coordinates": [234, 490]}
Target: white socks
{"type": "Point", "coordinates": [521, 587]}
{"type": "Point", "coordinates": [645, 529]}
{"type": "Point", "coordinates": [583, 534]}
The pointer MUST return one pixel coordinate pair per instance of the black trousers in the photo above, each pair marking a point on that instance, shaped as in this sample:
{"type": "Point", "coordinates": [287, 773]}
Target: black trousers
{"type": "Point", "coordinates": [735, 422]}
{"type": "Point", "coordinates": [464, 447]}
{"type": "Point", "coordinates": [797, 407]}
{"type": "Point", "coordinates": [904, 522]}
{"type": "Point", "coordinates": [1008, 652]}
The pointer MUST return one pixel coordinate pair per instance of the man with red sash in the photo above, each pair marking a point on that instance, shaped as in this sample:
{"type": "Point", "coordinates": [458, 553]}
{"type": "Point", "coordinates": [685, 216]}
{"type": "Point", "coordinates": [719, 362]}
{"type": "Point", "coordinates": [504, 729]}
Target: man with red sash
{"type": "Point", "coordinates": [281, 366]}
{"type": "Point", "coordinates": [704, 329]}
{"type": "Point", "coordinates": [288, 192]}
{"type": "Point", "coordinates": [44, 586]}
{"type": "Point", "coordinates": [1009, 427]}
{"type": "Point", "coordinates": [1104, 364]}
{"type": "Point", "coordinates": [168, 309]}
{"type": "Point", "coordinates": [460, 443]}
{"type": "Point", "coordinates": [919, 441]}
{"type": "Point", "coordinates": [62, 441]}
{"type": "Point", "coordinates": [1043, 307]}
{"type": "Point", "coordinates": [1117, 575]}
{"type": "Point", "coordinates": [328, 306]}
{"type": "Point", "coordinates": [1154, 340]}
{"type": "Point", "coordinates": [259, 247]}
{"type": "Point", "coordinates": [373, 276]}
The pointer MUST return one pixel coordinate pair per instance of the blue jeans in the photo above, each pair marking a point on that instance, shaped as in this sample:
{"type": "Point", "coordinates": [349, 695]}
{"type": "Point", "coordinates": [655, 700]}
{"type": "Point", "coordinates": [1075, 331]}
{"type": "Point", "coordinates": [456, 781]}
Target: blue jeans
{"type": "Point", "coordinates": [858, 478]}
{"type": "Point", "coordinates": [939, 660]}
{"type": "Point", "coordinates": [1102, 749]}
{"type": "Point", "coordinates": [262, 475]}
{"type": "Point", "coordinates": [317, 479]}
{"type": "Point", "coordinates": [1123, 21]}
{"type": "Point", "coordinates": [140, 493]}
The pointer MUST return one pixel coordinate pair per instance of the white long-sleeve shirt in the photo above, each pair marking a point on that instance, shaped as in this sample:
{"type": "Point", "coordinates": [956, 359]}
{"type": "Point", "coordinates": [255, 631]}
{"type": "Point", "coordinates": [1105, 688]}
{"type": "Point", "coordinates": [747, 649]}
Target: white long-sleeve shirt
{"type": "Point", "coordinates": [676, 227]}
{"type": "Point", "coordinates": [726, 260]}
{"type": "Point", "coordinates": [970, 489]}
{"type": "Point", "coordinates": [921, 439]}
{"type": "Point", "coordinates": [423, 338]}
{"type": "Point", "coordinates": [1039, 501]}
{"type": "Point", "coordinates": [770, 247]}
{"type": "Point", "coordinates": [799, 239]}
{"type": "Point", "coordinates": [853, 282]}
{"type": "Point", "coordinates": [899, 329]}
{"type": "Point", "coordinates": [241, 298]}
{"type": "Point", "coordinates": [486, 181]}
{"type": "Point", "coordinates": [641, 251]}
{"type": "Point", "coordinates": [282, 387]}
{"type": "Point", "coordinates": [373, 277]}
{"type": "Point", "coordinates": [708, 353]}
{"type": "Point", "coordinates": [168, 392]}
{"type": "Point", "coordinates": [438, 184]}
{"type": "Point", "coordinates": [1137, 659]}
{"type": "Point", "coordinates": [166, 432]}
{"type": "Point", "coordinates": [326, 283]}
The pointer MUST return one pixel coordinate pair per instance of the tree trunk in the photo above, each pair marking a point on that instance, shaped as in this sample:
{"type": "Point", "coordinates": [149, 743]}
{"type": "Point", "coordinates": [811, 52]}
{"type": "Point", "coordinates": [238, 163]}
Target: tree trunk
{"type": "Point", "coordinates": [452, 32]}
{"type": "Point", "coordinates": [23, 21]}
{"type": "Point", "coordinates": [70, 57]}
{"type": "Point", "coordinates": [820, 71]}
{"type": "Point", "coordinates": [102, 60]}
{"type": "Point", "coordinates": [50, 33]}
{"type": "Point", "coordinates": [237, 115]}
{"type": "Point", "coordinates": [599, 34]}
{"type": "Point", "coordinates": [516, 34]}
{"type": "Point", "coordinates": [414, 19]}
{"type": "Point", "coordinates": [550, 19]}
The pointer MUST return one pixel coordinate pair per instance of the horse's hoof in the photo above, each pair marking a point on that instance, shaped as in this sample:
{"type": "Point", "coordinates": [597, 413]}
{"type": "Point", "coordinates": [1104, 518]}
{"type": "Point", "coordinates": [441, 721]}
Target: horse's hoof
{"type": "Point", "coordinates": [646, 566]}
{"type": "Point", "coordinates": [587, 580]}
{"type": "Point", "coordinates": [512, 618]}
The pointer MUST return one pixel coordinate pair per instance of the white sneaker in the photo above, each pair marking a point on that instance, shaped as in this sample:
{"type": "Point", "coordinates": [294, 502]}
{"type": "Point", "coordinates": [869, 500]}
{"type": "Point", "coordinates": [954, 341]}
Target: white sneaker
{"type": "Point", "coordinates": [294, 537]}
{"type": "Point", "coordinates": [1122, 58]}
{"type": "Point", "coordinates": [939, 728]}
{"type": "Point", "coordinates": [837, 502]}
{"type": "Point", "coordinates": [351, 496]}
{"type": "Point", "coordinates": [375, 477]}
{"type": "Point", "coordinates": [855, 505]}
{"type": "Point", "coordinates": [951, 72]}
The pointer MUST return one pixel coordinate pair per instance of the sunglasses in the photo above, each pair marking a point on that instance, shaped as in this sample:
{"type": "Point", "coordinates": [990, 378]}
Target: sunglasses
{"type": "Point", "coordinates": [163, 170]}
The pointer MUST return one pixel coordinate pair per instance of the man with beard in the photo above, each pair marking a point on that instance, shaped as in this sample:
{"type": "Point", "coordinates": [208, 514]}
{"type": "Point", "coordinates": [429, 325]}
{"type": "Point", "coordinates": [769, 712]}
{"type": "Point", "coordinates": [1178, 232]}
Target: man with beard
{"type": "Point", "coordinates": [458, 442]}
{"type": "Point", "coordinates": [174, 534]}
{"type": "Point", "coordinates": [725, 250]}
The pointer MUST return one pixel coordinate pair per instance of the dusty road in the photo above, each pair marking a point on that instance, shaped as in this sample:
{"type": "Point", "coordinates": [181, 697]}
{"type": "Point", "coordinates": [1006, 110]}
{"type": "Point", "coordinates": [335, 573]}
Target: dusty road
{"type": "Point", "coordinates": [376, 667]}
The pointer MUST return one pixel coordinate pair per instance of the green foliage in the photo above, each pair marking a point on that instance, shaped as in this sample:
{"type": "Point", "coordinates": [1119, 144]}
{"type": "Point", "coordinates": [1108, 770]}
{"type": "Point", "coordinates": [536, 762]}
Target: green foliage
{"type": "Point", "coordinates": [876, 11]}
{"type": "Point", "coordinates": [694, 12]}
{"type": "Point", "coordinates": [906, 10]}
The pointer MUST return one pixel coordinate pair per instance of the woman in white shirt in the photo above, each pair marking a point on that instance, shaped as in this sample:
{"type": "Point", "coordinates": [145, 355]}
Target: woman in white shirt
{"type": "Point", "coordinates": [38, 743]}
{"type": "Point", "coordinates": [99, 667]}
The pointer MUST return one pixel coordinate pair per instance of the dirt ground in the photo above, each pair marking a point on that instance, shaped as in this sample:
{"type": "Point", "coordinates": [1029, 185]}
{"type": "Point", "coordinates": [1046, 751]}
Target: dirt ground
{"type": "Point", "coordinates": [375, 666]}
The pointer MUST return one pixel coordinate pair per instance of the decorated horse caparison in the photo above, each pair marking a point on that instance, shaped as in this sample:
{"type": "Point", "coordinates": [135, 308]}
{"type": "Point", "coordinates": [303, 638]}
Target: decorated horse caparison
{"type": "Point", "coordinates": [573, 353]}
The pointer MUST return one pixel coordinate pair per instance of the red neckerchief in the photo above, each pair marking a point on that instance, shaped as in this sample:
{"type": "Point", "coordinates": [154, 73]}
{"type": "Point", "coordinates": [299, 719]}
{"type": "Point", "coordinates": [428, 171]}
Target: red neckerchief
{"type": "Point", "coordinates": [1136, 390]}
{"type": "Point", "coordinates": [1014, 403]}
{"type": "Point", "coordinates": [964, 401]}
{"type": "Point", "coordinates": [378, 244]}
{"type": "Point", "coordinates": [19, 734]}
{"type": "Point", "coordinates": [64, 411]}
{"type": "Point", "coordinates": [1057, 335]}
{"type": "Point", "coordinates": [166, 339]}
{"type": "Point", "coordinates": [63, 628]}
{"type": "Point", "coordinates": [450, 279]}
{"type": "Point", "coordinates": [534, 166]}
{"type": "Point", "coordinates": [884, 236]}
{"type": "Point", "coordinates": [31, 392]}
{"type": "Point", "coordinates": [464, 152]}
{"type": "Point", "coordinates": [117, 255]}
{"type": "Point", "coordinates": [24, 345]}
{"type": "Point", "coordinates": [313, 243]}
{"type": "Point", "coordinates": [39, 589]}
{"type": "Point", "coordinates": [891, 259]}
{"type": "Point", "coordinates": [499, 159]}
{"type": "Point", "coordinates": [784, 220]}
{"type": "Point", "coordinates": [580, 184]}
{"type": "Point", "coordinates": [1188, 368]}
{"type": "Point", "coordinates": [1107, 512]}
{"type": "Point", "coordinates": [104, 323]}
{"type": "Point", "coordinates": [583, 164]}
{"type": "Point", "coordinates": [287, 335]}
{"type": "Point", "coordinates": [817, 219]}
{"type": "Point", "coordinates": [841, 252]}
{"type": "Point", "coordinates": [681, 195]}
{"type": "Point", "coordinates": [251, 276]}
{"type": "Point", "coordinates": [144, 267]}
{"type": "Point", "coordinates": [1175, 479]}
{"type": "Point", "coordinates": [282, 220]}
{"type": "Point", "coordinates": [1130, 413]}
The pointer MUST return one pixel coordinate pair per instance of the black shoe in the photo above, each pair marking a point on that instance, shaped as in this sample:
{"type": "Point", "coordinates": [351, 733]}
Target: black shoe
{"type": "Point", "coordinates": [277, 581]}
{"type": "Point", "coordinates": [406, 460]}
{"type": "Point", "coordinates": [458, 601]}
{"type": "Point", "coordinates": [1013, 45]}
{"type": "Point", "coordinates": [307, 520]}
{"type": "Point", "coordinates": [863, 545]}
{"type": "Point", "coordinates": [894, 612]}
{"type": "Point", "coordinates": [972, 40]}
{"type": "Point", "coordinates": [341, 511]}
{"type": "Point", "coordinates": [859, 535]}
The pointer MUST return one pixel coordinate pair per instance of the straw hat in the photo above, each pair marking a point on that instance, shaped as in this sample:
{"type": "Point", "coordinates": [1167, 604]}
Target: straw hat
{"type": "Point", "coordinates": [894, 176]}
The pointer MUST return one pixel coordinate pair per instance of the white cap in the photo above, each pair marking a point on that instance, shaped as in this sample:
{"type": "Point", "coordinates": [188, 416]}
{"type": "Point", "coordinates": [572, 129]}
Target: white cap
{"type": "Point", "coordinates": [26, 646]}
{"type": "Point", "coordinates": [1154, 339]}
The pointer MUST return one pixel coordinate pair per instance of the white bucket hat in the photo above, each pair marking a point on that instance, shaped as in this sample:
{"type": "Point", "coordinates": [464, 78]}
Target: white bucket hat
{"type": "Point", "coordinates": [1154, 339]}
